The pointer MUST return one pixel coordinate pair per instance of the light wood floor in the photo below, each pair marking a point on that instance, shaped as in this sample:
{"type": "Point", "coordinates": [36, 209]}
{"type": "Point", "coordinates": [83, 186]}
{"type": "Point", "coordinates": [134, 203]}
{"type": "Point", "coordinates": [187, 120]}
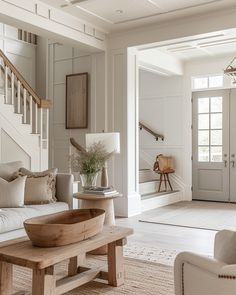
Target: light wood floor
{"type": "Point", "coordinates": [169, 237]}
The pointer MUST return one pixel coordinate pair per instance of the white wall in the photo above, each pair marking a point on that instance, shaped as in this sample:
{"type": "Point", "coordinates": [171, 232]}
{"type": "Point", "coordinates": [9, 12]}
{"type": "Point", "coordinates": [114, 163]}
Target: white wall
{"type": "Point", "coordinates": [42, 67]}
{"type": "Point", "coordinates": [11, 151]}
{"type": "Point", "coordinates": [161, 109]}
{"type": "Point", "coordinates": [66, 60]}
{"type": "Point", "coordinates": [21, 54]}
{"type": "Point", "coordinates": [45, 20]}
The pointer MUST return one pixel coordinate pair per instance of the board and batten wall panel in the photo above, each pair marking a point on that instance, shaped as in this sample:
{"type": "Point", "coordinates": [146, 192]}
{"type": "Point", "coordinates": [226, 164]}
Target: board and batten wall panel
{"type": "Point", "coordinates": [63, 61]}
{"type": "Point", "coordinates": [161, 108]}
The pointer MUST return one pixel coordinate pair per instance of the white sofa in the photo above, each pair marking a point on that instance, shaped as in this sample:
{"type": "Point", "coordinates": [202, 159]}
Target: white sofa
{"type": "Point", "coordinates": [11, 219]}
{"type": "Point", "coordinates": [199, 275]}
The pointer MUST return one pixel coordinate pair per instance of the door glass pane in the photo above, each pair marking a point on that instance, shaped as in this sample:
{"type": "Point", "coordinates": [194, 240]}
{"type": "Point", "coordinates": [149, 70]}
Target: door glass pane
{"type": "Point", "coordinates": [203, 121]}
{"type": "Point", "coordinates": [203, 105]}
{"type": "Point", "coordinates": [215, 81]}
{"type": "Point", "coordinates": [216, 104]}
{"type": "Point", "coordinates": [216, 121]}
{"type": "Point", "coordinates": [203, 154]}
{"type": "Point", "coordinates": [216, 154]}
{"type": "Point", "coordinates": [203, 137]}
{"type": "Point", "coordinates": [216, 137]}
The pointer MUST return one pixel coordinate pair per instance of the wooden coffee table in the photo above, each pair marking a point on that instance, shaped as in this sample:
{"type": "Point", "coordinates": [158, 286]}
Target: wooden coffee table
{"type": "Point", "coordinates": [42, 261]}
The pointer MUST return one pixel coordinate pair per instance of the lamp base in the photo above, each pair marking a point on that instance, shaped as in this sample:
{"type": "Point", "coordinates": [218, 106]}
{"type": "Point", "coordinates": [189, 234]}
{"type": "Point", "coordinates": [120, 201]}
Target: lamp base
{"type": "Point", "coordinates": [104, 177]}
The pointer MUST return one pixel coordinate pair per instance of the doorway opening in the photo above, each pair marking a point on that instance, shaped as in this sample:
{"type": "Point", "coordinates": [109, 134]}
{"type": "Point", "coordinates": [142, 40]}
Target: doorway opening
{"type": "Point", "coordinates": [166, 87]}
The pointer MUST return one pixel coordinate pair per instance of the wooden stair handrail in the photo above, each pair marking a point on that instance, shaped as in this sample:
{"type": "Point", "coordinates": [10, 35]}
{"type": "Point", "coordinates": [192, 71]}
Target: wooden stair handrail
{"type": "Point", "coordinates": [42, 103]}
{"type": "Point", "coordinates": [156, 135]}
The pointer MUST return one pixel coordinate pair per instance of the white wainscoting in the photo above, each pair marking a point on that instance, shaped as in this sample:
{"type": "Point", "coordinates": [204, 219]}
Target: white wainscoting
{"type": "Point", "coordinates": [62, 61]}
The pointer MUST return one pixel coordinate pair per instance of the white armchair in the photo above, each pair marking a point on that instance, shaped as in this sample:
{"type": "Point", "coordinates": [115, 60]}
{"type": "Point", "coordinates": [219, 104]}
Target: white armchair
{"type": "Point", "coordinates": [199, 275]}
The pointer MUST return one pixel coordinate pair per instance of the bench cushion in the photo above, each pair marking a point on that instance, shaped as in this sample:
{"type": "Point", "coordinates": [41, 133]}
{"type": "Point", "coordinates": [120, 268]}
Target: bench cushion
{"type": "Point", "coordinates": [13, 218]}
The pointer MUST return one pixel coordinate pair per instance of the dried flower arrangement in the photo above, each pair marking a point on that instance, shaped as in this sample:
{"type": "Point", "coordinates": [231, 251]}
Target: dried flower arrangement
{"type": "Point", "coordinates": [88, 162]}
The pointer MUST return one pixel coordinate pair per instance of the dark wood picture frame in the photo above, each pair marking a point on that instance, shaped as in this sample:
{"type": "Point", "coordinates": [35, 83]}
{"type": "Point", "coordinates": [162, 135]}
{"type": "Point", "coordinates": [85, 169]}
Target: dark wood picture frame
{"type": "Point", "coordinates": [77, 101]}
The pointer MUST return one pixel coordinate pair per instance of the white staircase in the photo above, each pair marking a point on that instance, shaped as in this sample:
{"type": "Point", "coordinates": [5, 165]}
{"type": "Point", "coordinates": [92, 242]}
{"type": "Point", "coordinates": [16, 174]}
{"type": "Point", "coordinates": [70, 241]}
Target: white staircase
{"type": "Point", "coordinates": [23, 117]}
{"type": "Point", "coordinates": [148, 189]}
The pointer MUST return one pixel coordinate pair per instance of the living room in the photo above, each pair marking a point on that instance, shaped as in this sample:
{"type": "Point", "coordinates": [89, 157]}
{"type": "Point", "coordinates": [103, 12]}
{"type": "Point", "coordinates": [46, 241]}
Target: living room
{"type": "Point", "coordinates": [48, 49]}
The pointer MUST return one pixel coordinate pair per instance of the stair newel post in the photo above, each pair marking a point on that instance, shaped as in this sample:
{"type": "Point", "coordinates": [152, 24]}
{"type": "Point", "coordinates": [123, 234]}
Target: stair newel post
{"type": "Point", "coordinates": [36, 118]}
{"type": "Point", "coordinates": [24, 106]}
{"type": "Point", "coordinates": [6, 84]}
{"type": "Point", "coordinates": [18, 96]}
{"type": "Point", "coordinates": [31, 113]}
{"type": "Point", "coordinates": [12, 88]}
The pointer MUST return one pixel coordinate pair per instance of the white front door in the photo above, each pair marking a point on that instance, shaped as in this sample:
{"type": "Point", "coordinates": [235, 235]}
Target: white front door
{"type": "Point", "coordinates": [211, 145]}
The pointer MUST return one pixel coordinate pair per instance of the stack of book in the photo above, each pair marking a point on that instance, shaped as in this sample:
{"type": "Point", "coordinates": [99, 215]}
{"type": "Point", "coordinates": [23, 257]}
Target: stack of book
{"type": "Point", "coordinates": [99, 190]}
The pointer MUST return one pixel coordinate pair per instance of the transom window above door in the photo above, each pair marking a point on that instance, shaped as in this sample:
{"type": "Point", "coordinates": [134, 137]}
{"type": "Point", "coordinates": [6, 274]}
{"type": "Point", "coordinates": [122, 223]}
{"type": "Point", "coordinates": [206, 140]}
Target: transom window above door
{"type": "Point", "coordinates": [207, 82]}
{"type": "Point", "coordinates": [210, 129]}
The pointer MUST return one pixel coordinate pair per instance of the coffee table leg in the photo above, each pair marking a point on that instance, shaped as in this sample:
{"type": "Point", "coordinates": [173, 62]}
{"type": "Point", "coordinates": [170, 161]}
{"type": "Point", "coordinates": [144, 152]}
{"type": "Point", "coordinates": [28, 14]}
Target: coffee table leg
{"type": "Point", "coordinates": [6, 278]}
{"type": "Point", "coordinates": [44, 282]}
{"type": "Point", "coordinates": [116, 263]}
{"type": "Point", "coordinates": [74, 263]}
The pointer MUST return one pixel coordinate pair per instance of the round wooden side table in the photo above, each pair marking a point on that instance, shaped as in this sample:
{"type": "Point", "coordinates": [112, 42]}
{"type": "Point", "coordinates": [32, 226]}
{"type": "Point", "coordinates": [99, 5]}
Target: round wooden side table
{"type": "Point", "coordinates": [99, 201]}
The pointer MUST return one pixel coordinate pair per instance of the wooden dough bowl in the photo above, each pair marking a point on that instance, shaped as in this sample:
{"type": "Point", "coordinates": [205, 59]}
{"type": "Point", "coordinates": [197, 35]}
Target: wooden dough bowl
{"type": "Point", "coordinates": [65, 227]}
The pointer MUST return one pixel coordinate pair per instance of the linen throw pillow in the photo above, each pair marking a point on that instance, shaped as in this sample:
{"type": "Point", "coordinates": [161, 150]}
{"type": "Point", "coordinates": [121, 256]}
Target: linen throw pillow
{"type": "Point", "coordinates": [40, 187]}
{"type": "Point", "coordinates": [12, 193]}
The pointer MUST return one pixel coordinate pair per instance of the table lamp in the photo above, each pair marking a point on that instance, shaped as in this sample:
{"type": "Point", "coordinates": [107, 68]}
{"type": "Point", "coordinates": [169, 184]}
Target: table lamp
{"type": "Point", "coordinates": [111, 142]}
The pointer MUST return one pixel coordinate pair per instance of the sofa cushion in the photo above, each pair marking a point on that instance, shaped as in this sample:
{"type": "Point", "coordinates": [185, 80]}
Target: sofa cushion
{"type": "Point", "coordinates": [12, 193]}
{"type": "Point", "coordinates": [8, 169]}
{"type": "Point", "coordinates": [13, 218]}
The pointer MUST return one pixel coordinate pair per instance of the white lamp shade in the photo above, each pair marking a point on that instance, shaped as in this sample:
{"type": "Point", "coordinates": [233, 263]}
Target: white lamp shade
{"type": "Point", "coordinates": [111, 141]}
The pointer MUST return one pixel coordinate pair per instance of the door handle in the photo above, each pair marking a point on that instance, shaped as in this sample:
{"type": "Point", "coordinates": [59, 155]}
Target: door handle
{"type": "Point", "coordinates": [233, 163]}
{"type": "Point", "coordinates": [225, 162]}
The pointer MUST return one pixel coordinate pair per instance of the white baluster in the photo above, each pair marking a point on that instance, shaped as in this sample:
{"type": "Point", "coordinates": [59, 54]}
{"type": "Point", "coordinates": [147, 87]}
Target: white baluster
{"type": "Point", "coordinates": [41, 124]}
{"type": "Point", "coordinates": [36, 118]}
{"type": "Point", "coordinates": [18, 96]}
{"type": "Point", "coordinates": [6, 84]}
{"type": "Point", "coordinates": [47, 127]}
{"type": "Point", "coordinates": [31, 113]}
{"type": "Point", "coordinates": [41, 136]}
{"type": "Point", "coordinates": [12, 88]}
{"type": "Point", "coordinates": [24, 106]}
{"type": "Point", "coordinates": [1, 74]}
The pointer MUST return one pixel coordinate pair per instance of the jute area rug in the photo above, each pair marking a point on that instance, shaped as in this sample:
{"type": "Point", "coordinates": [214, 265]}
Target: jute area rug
{"type": "Point", "coordinates": [195, 214]}
{"type": "Point", "coordinates": [141, 278]}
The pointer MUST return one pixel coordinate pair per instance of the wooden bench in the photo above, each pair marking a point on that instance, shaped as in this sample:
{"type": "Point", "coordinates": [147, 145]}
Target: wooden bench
{"type": "Point", "coordinates": [42, 261]}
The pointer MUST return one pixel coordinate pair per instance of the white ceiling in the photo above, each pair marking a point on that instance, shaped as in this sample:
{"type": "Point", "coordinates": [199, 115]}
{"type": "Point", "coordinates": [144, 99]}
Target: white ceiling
{"type": "Point", "coordinates": [114, 15]}
{"type": "Point", "coordinates": [222, 43]}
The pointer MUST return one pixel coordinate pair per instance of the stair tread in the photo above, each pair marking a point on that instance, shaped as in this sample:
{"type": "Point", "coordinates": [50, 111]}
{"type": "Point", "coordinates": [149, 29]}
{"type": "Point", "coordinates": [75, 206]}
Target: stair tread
{"type": "Point", "coordinates": [151, 180]}
{"type": "Point", "coordinates": [157, 194]}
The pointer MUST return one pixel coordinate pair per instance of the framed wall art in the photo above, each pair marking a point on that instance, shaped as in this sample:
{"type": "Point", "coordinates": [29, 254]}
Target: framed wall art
{"type": "Point", "coordinates": [77, 101]}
